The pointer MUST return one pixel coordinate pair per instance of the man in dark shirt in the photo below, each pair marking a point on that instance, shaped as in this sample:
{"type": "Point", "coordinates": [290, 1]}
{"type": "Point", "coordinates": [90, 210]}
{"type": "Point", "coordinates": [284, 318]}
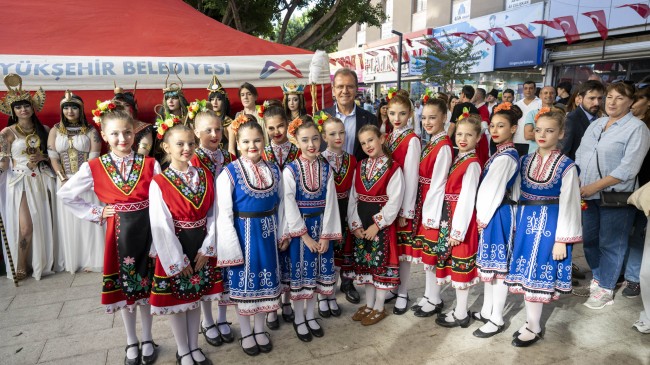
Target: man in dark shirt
{"type": "Point", "coordinates": [588, 100]}
{"type": "Point", "coordinates": [466, 95]}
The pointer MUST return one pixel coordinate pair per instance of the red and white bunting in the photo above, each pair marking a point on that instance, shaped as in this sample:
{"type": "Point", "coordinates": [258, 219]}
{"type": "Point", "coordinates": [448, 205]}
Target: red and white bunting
{"type": "Point", "coordinates": [600, 21]}
{"type": "Point", "coordinates": [522, 30]}
{"type": "Point", "coordinates": [549, 23]}
{"type": "Point", "coordinates": [501, 34]}
{"type": "Point", "coordinates": [486, 36]}
{"type": "Point", "coordinates": [642, 9]}
{"type": "Point", "coordinates": [569, 28]}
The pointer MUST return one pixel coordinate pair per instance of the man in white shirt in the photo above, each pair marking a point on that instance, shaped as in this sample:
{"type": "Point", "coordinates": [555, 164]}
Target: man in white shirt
{"type": "Point", "coordinates": [528, 103]}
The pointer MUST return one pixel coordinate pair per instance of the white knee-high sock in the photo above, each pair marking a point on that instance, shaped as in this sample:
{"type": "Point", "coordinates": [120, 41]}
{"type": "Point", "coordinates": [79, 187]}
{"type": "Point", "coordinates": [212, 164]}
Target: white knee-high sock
{"type": "Point", "coordinates": [500, 290]}
{"type": "Point", "coordinates": [245, 328]}
{"type": "Point", "coordinates": [221, 318]}
{"type": "Point", "coordinates": [433, 291]}
{"type": "Point", "coordinates": [310, 303]}
{"type": "Point", "coordinates": [462, 295]}
{"type": "Point", "coordinates": [404, 278]}
{"type": "Point", "coordinates": [380, 299]}
{"type": "Point", "coordinates": [299, 312]}
{"type": "Point", "coordinates": [370, 296]}
{"type": "Point", "coordinates": [258, 326]}
{"type": "Point", "coordinates": [208, 319]}
{"type": "Point", "coordinates": [427, 289]}
{"type": "Point", "coordinates": [337, 274]}
{"type": "Point", "coordinates": [178, 323]}
{"type": "Point", "coordinates": [131, 336]}
{"type": "Point", "coordinates": [146, 319]}
{"type": "Point", "coordinates": [488, 299]}
{"type": "Point", "coordinates": [193, 318]}
{"type": "Point", "coordinates": [534, 314]}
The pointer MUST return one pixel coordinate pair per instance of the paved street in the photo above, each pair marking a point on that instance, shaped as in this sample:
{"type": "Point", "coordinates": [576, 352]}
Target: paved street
{"type": "Point", "coordinates": [59, 320]}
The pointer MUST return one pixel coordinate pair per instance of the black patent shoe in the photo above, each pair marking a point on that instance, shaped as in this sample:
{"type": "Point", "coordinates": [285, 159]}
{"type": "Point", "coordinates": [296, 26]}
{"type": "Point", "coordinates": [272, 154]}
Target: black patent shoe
{"type": "Point", "coordinates": [204, 362]}
{"type": "Point", "coordinates": [226, 337]}
{"type": "Point", "coordinates": [437, 309]}
{"type": "Point", "coordinates": [521, 343]}
{"type": "Point", "coordinates": [150, 359]}
{"type": "Point", "coordinates": [335, 312]}
{"type": "Point", "coordinates": [265, 348]}
{"type": "Point", "coordinates": [400, 311]}
{"type": "Point", "coordinates": [307, 336]}
{"type": "Point", "coordinates": [480, 334]}
{"type": "Point", "coordinates": [250, 351]}
{"type": "Point", "coordinates": [273, 325]}
{"type": "Point", "coordinates": [288, 317]}
{"type": "Point", "coordinates": [136, 360]}
{"type": "Point", "coordinates": [315, 332]}
{"type": "Point", "coordinates": [179, 358]}
{"type": "Point", "coordinates": [416, 306]}
{"type": "Point", "coordinates": [351, 293]}
{"type": "Point", "coordinates": [324, 313]}
{"type": "Point", "coordinates": [463, 323]}
{"type": "Point", "coordinates": [479, 317]}
{"type": "Point", "coordinates": [213, 341]}
{"type": "Point", "coordinates": [394, 296]}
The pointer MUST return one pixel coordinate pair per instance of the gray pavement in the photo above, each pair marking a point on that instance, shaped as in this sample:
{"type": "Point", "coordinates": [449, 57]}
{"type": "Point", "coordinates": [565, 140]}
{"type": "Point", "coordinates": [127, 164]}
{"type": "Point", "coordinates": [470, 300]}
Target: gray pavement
{"type": "Point", "coordinates": [59, 320]}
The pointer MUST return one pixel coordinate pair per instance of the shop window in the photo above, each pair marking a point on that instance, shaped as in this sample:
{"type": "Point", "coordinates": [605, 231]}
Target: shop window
{"type": "Point", "coordinates": [419, 5]}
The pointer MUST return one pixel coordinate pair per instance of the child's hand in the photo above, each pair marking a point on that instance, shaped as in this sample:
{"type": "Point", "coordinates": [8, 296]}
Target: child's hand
{"type": "Point", "coordinates": [200, 261]}
{"type": "Point", "coordinates": [187, 271]}
{"type": "Point", "coordinates": [452, 242]}
{"type": "Point", "coordinates": [323, 245]}
{"type": "Point", "coordinates": [401, 221]}
{"type": "Point", "coordinates": [284, 245]}
{"type": "Point", "coordinates": [358, 233]}
{"type": "Point", "coordinates": [559, 251]}
{"type": "Point", "coordinates": [310, 243]}
{"type": "Point", "coordinates": [371, 232]}
{"type": "Point", "coordinates": [108, 211]}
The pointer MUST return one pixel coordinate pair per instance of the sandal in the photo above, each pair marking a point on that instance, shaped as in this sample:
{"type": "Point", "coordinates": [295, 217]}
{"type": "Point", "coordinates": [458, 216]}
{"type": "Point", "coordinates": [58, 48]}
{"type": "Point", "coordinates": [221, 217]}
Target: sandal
{"type": "Point", "coordinates": [462, 323]}
{"type": "Point", "coordinates": [437, 308]}
{"type": "Point", "coordinates": [416, 306]}
{"type": "Point", "coordinates": [179, 358]}
{"type": "Point", "coordinates": [326, 313]}
{"type": "Point", "coordinates": [479, 317]}
{"type": "Point", "coordinates": [361, 313]}
{"type": "Point", "coordinates": [203, 362]}
{"type": "Point", "coordinates": [307, 337]}
{"type": "Point", "coordinates": [374, 317]}
{"type": "Point", "coordinates": [391, 298]}
{"type": "Point", "coordinates": [273, 325]}
{"type": "Point", "coordinates": [250, 351]}
{"type": "Point", "coordinates": [335, 312]}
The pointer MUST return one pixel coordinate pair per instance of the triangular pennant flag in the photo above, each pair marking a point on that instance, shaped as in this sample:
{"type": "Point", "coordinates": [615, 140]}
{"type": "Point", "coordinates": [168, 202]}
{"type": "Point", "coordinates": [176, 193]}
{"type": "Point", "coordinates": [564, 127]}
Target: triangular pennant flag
{"type": "Point", "coordinates": [522, 30]}
{"type": "Point", "coordinates": [409, 42]}
{"type": "Point", "coordinates": [501, 34]}
{"type": "Point", "coordinates": [427, 42]}
{"type": "Point", "coordinates": [600, 21]}
{"type": "Point", "coordinates": [333, 61]}
{"type": "Point", "coordinates": [405, 56]}
{"type": "Point", "coordinates": [486, 36]}
{"type": "Point", "coordinates": [372, 53]}
{"type": "Point", "coordinates": [549, 23]}
{"type": "Point", "coordinates": [569, 28]}
{"type": "Point", "coordinates": [642, 9]}
{"type": "Point", "coordinates": [466, 36]}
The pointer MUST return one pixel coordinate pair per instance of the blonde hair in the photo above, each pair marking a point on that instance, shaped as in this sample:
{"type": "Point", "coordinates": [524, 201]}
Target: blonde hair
{"type": "Point", "coordinates": [473, 120]}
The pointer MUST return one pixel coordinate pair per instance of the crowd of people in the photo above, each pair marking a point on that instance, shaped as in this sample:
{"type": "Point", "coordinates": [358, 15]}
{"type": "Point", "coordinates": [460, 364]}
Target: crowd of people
{"type": "Point", "coordinates": [270, 208]}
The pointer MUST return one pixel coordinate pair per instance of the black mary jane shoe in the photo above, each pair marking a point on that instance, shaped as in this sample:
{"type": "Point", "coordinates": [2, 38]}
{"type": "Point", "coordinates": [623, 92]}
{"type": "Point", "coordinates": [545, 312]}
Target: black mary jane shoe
{"type": "Point", "coordinates": [136, 360]}
{"type": "Point", "coordinates": [273, 325]}
{"type": "Point", "coordinates": [213, 341]}
{"type": "Point", "coordinates": [265, 348]}
{"type": "Point", "coordinates": [288, 317]}
{"type": "Point", "coordinates": [351, 293]}
{"type": "Point", "coordinates": [324, 313]}
{"type": "Point", "coordinates": [315, 332]}
{"type": "Point", "coordinates": [416, 306]}
{"type": "Point", "coordinates": [150, 359]}
{"type": "Point", "coordinates": [250, 351]}
{"type": "Point", "coordinates": [478, 316]}
{"type": "Point", "coordinates": [395, 295]}
{"type": "Point", "coordinates": [480, 334]}
{"type": "Point", "coordinates": [400, 311]}
{"type": "Point", "coordinates": [463, 323]}
{"type": "Point", "coordinates": [179, 358]}
{"type": "Point", "coordinates": [307, 337]}
{"type": "Point", "coordinates": [226, 337]}
{"type": "Point", "coordinates": [521, 343]}
{"type": "Point", "coordinates": [517, 333]}
{"type": "Point", "coordinates": [437, 309]}
{"type": "Point", "coordinates": [204, 362]}
{"type": "Point", "coordinates": [335, 312]}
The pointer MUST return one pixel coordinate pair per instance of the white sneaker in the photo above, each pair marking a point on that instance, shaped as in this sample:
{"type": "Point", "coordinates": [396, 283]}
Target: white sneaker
{"type": "Point", "coordinates": [642, 326]}
{"type": "Point", "coordinates": [586, 291]}
{"type": "Point", "coordinates": [600, 298]}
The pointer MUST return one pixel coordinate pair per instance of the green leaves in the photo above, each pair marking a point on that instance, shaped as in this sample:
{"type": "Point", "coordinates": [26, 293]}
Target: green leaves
{"type": "Point", "coordinates": [449, 63]}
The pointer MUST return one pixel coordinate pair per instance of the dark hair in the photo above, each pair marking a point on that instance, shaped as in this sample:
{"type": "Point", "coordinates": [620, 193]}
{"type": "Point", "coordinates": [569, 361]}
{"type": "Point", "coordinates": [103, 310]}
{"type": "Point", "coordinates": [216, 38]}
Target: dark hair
{"type": "Point", "coordinates": [530, 82]}
{"type": "Point", "coordinates": [301, 104]}
{"type": "Point", "coordinates": [381, 104]}
{"type": "Point", "coordinates": [437, 102]}
{"type": "Point", "coordinates": [346, 72]}
{"type": "Point", "coordinates": [128, 98]}
{"type": "Point", "coordinates": [375, 130]}
{"type": "Point", "coordinates": [251, 123]}
{"type": "Point", "coordinates": [275, 111]}
{"type": "Point", "coordinates": [508, 91]}
{"type": "Point", "coordinates": [226, 102]}
{"type": "Point", "coordinates": [248, 86]}
{"type": "Point", "coordinates": [481, 92]}
{"type": "Point", "coordinates": [622, 88]}
{"type": "Point", "coordinates": [512, 115]}
{"type": "Point", "coordinates": [38, 126]}
{"type": "Point", "coordinates": [182, 101]}
{"type": "Point", "coordinates": [565, 85]}
{"type": "Point", "coordinates": [468, 91]}
{"type": "Point", "coordinates": [643, 94]}
{"type": "Point", "coordinates": [82, 115]}
{"type": "Point", "coordinates": [590, 85]}
{"type": "Point", "coordinates": [473, 120]}
{"type": "Point", "coordinates": [444, 97]}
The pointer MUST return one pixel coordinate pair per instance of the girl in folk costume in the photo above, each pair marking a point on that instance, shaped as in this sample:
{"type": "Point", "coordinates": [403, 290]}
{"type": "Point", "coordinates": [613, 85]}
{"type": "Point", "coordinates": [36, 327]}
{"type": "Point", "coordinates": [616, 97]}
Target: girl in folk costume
{"type": "Point", "coordinates": [250, 229]}
{"type": "Point", "coordinates": [343, 166]}
{"type": "Point", "coordinates": [405, 148]}
{"type": "Point", "coordinates": [183, 226]}
{"type": "Point", "coordinates": [294, 99]}
{"type": "Point", "coordinates": [548, 222]}
{"type": "Point", "coordinates": [212, 158]}
{"type": "Point", "coordinates": [218, 98]}
{"type": "Point", "coordinates": [312, 221]}
{"type": "Point", "coordinates": [143, 131]}
{"type": "Point", "coordinates": [458, 240]}
{"type": "Point", "coordinates": [72, 142]}
{"type": "Point", "coordinates": [495, 215]}
{"type": "Point", "coordinates": [371, 217]}
{"type": "Point", "coordinates": [248, 97]}
{"type": "Point", "coordinates": [435, 161]}
{"type": "Point", "coordinates": [280, 152]}
{"type": "Point", "coordinates": [121, 180]}
{"type": "Point", "coordinates": [29, 181]}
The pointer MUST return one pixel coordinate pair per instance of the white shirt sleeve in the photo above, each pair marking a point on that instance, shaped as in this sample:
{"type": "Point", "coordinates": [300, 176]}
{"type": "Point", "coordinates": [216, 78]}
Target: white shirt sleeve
{"type": "Point", "coordinates": [465, 205]}
{"type": "Point", "coordinates": [493, 188]}
{"type": "Point", "coordinates": [331, 221]}
{"type": "Point", "coordinates": [280, 233]}
{"type": "Point", "coordinates": [294, 223]}
{"type": "Point", "coordinates": [156, 168]}
{"type": "Point", "coordinates": [395, 191]}
{"type": "Point", "coordinates": [354, 221]}
{"type": "Point", "coordinates": [433, 201]}
{"type": "Point", "coordinates": [411, 174]}
{"type": "Point", "coordinates": [168, 247]}
{"type": "Point", "coordinates": [70, 194]}
{"type": "Point", "coordinates": [228, 249]}
{"type": "Point", "coordinates": [569, 220]}
{"type": "Point", "coordinates": [209, 242]}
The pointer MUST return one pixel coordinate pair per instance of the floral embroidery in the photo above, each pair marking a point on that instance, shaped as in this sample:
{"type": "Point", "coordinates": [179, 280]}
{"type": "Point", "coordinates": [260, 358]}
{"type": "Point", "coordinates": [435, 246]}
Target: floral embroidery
{"type": "Point", "coordinates": [132, 280]}
{"type": "Point", "coordinates": [460, 159]}
{"type": "Point", "coordinates": [269, 155]}
{"type": "Point", "coordinates": [393, 143]}
{"type": "Point", "coordinates": [134, 176]}
{"type": "Point", "coordinates": [431, 145]}
{"type": "Point", "coordinates": [368, 183]}
{"type": "Point", "coordinates": [195, 198]}
{"type": "Point", "coordinates": [339, 176]}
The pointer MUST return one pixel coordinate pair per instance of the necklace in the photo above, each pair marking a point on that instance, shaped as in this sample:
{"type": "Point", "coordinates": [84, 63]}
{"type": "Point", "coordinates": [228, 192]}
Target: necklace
{"type": "Point", "coordinates": [23, 132]}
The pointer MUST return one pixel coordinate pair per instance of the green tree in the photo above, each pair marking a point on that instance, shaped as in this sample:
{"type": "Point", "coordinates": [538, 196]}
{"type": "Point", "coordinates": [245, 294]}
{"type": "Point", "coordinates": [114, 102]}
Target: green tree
{"type": "Point", "coordinates": [444, 62]}
{"type": "Point", "coordinates": [319, 25]}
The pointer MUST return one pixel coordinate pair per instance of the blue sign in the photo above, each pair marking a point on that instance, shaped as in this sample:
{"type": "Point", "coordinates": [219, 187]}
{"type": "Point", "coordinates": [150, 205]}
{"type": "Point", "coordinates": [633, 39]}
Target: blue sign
{"type": "Point", "coordinates": [525, 52]}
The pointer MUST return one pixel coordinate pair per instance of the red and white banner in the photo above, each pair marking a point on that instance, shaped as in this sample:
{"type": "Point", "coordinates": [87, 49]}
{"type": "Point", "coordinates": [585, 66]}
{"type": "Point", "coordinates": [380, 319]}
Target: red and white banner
{"type": "Point", "coordinates": [501, 34]}
{"type": "Point", "coordinates": [486, 36]}
{"type": "Point", "coordinates": [522, 30]}
{"type": "Point", "coordinates": [569, 28]}
{"type": "Point", "coordinates": [642, 9]}
{"type": "Point", "coordinates": [600, 21]}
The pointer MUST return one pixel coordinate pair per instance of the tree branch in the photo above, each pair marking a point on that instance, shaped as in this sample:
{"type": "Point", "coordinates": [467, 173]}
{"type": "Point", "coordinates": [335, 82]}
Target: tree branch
{"type": "Point", "coordinates": [235, 14]}
{"type": "Point", "coordinates": [316, 27]}
{"type": "Point", "coordinates": [319, 35]}
{"type": "Point", "coordinates": [285, 21]}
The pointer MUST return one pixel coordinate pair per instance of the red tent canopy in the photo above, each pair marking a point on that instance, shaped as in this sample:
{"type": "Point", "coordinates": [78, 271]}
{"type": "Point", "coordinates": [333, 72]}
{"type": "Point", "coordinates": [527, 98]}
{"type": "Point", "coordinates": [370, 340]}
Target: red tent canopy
{"type": "Point", "coordinates": [86, 46]}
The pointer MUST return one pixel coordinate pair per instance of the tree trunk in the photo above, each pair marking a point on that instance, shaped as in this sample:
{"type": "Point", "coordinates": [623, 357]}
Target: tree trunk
{"type": "Point", "coordinates": [321, 33]}
{"type": "Point", "coordinates": [316, 27]}
{"type": "Point", "coordinates": [235, 15]}
{"type": "Point", "coordinates": [285, 21]}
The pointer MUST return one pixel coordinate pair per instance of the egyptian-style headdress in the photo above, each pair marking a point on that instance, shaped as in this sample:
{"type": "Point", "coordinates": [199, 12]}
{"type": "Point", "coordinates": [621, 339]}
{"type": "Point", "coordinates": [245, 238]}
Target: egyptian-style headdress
{"type": "Point", "coordinates": [173, 89]}
{"type": "Point", "coordinates": [15, 93]}
{"type": "Point", "coordinates": [291, 87]}
{"type": "Point", "coordinates": [126, 96]}
{"type": "Point", "coordinates": [216, 87]}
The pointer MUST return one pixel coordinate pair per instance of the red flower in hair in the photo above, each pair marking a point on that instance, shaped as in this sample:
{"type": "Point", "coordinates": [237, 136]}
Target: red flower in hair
{"type": "Point", "coordinates": [111, 106]}
{"type": "Point", "coordinates": [425, 98]}
{"type": "Point", "coordinates": [97, 112]}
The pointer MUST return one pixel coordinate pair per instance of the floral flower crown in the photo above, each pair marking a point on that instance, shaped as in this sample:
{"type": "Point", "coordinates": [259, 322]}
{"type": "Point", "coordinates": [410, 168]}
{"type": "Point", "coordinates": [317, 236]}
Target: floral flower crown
{"type": "Point", "coordinates": [319, 119]}
{"type": "Point", "coordinates": [196, 107]}
{"type": "Point", "coordinates": [464, 115]}
{"type": "Point", "coordinates": [428, 95]}
{"type": "Point", "coordinates": [162, 125]}
{"type": "Point", "coordinates": [541, 112]}
{"type": "Point", "coordinates": [391, 92]}
{"type": "Point", "coordinates": [241, 119]}
{"type": "Point", "coordinates": [261, 108]}
{"type": "Point", "coordinates": [293, 126]}
{"type": "Point", "coordinates": [503, 106]}
{"type": "Point", "coordinates": [103, 107]}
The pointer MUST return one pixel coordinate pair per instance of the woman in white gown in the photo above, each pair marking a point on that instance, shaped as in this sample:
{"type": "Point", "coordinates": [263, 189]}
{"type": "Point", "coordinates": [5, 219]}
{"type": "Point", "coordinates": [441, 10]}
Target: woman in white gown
{"type": "Point", "coordinates": [30, 182]}
{"type": "Point", "coordinates": [72, 142]}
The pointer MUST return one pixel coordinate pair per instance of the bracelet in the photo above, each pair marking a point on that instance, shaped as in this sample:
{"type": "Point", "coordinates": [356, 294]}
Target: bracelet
{"type": "Point", "coordinates": [61, 176]}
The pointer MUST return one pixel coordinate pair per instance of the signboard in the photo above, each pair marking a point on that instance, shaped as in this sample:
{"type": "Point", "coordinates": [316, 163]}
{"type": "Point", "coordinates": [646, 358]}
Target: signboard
{"type": "Point", "coordinates": [529, 53]}
{"type": "Point", "coordinates": [512, 4]}
{"type": "Point", "coordinates": [460, 11]}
